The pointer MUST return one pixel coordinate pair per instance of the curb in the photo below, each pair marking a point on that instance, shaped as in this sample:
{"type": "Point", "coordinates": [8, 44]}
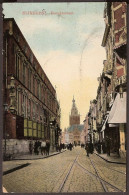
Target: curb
{"type": "Point", "coordinates": [15, 169]}
{"type": "Point", "coordinates": [27, 164]}
{"type": "Point", "coordinates": [39, 157]}
{"type": "Point", "coordinates": [109, 161]}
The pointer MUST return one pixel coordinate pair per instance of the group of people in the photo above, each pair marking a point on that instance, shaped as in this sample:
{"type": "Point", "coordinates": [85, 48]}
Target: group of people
{"type": "Point", "coordinates": [59, 147]}
{"type": "Point", "coordinates": [70, 147]}
{"type": "Point", "coordinates": [100, 147]}
{"type": "Point", "coordinates": [39, 146]}
{"type": "Point", "coordinates": [103, 147]}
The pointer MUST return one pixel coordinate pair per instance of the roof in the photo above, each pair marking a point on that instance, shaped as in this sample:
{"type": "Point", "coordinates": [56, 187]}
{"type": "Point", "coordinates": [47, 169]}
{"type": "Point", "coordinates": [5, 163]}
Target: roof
{"type": "Point", "coordinates": [72, 127]}
{"type": "Point", "coordinates": [16, 27]}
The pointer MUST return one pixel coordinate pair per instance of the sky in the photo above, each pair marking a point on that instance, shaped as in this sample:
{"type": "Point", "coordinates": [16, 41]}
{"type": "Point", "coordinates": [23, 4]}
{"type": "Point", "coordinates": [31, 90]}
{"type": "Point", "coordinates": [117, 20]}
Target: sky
{"type": "Point", "coordinates": [67, 45]}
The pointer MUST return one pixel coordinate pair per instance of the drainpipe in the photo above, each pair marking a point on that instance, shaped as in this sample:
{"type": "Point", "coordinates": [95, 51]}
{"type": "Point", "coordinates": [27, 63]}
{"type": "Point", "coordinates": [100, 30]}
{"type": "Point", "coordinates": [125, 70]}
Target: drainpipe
{"type": "Point", "coordinates": [6, 61]}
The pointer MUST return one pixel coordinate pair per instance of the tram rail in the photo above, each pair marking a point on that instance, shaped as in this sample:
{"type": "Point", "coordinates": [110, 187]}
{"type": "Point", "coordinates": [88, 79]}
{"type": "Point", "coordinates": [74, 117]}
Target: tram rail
{"type": "Point", "coordinates": [114, 169]}
{"type": "Point", "coordinates": [103, 182]}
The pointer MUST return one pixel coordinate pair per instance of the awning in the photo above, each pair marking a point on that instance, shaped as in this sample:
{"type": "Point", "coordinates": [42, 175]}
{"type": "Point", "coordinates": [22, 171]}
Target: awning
{"type": "Point", "coordinates": [116, 47]}
{"type": "Point", "coordinates": [118, 110]}
{"type": "Point", "coordinates": [104, 125]}
{"type": "Point", "coordinates": [120, 59]}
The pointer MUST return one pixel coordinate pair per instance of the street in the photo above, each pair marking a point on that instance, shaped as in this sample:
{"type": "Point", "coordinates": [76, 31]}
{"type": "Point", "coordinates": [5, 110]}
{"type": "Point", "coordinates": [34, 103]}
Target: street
{"type": "Point", "coordinates": [70, 171]}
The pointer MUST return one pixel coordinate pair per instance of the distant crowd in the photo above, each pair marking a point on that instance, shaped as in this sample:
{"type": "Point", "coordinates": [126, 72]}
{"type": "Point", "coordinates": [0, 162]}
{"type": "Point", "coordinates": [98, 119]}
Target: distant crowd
{"type": "Point", "coordinates": [100, 147]}
{"type": "Point", "coordinates": [42, 147]}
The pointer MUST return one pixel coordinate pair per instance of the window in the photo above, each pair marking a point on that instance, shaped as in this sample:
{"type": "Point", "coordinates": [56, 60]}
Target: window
{"type": "Point", "coordinates": [18, 102]}
{"type": "Point", "coordinates": [17, 65]}
{"type": "Point", "coordinates": [24, 106]}
{"type": "Point", "coordinates": [39, 90]}
{"type": "Point", "coordinates": [29, 108]}
{"type": "Point", "coordinates": [24, 72]}
{"type": "Point", "coordinates": [29, 79]}
{"type": "Point", "coordinates": [34, 85]}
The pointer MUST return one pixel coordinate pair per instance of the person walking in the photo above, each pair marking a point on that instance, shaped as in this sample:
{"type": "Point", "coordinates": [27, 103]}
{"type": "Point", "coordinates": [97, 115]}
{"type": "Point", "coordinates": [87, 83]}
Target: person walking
{"type": "Point", "coordinates": [31, 147]}
{"type": "Point", "coordinates": [91, 148]}
{"type": "Point", "coordinates": [99, 147]}
{"type": "Point", "coordinates": [87, 149]}
{"type": "Point", "coordinates": [47, 147]}
{"type": "Point", "coordinates": [36, 148]}
{"type": "Point", "coordinates": [70, 147]}
{"type": "Point", "coordinates": [108, 146]}
{"type": "Point", "coordinates": [43, 147]}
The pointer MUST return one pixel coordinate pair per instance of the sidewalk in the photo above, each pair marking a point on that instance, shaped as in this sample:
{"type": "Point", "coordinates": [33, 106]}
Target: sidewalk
{"type": "Point", "coordinates": [35, 157]}
{"type": "Point", "coordinates": [22, 161]}
{"type": "Point", "coordinates": [112, 158]}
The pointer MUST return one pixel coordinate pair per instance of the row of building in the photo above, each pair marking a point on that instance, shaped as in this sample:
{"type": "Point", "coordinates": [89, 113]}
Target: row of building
{"type": "Point", "coordinates": [106, 119]}
{"type": "Point", "coordinates": [30, 107]}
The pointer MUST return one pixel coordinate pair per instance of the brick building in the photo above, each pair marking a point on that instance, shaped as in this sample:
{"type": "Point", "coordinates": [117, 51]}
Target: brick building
{"type": "Point", "coordinates": [109, 118]}
{"type": "Point", "coordinates": [115, 43]}
{"type": "Point", "coordinates": [31, 109]}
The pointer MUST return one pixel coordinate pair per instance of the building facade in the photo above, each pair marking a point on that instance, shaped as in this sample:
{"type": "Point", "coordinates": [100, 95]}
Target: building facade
{"type": "Point", "coordinates": [75, 128]}
{"type": "Point", "coordinates": [106, 119]}
{"type": "Point", "coordinates": [31, 109]}
{"type": "Point", "coordinates": [115, 68]}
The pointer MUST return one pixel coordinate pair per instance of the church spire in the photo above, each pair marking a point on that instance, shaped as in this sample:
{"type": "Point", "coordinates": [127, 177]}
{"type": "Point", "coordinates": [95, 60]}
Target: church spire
{"type": "Point", "coordinates": [74, 117]}
{"type": "Point", "coordinates": [74, 110]}
{"type": "Point", "coordinates": [73, 99]}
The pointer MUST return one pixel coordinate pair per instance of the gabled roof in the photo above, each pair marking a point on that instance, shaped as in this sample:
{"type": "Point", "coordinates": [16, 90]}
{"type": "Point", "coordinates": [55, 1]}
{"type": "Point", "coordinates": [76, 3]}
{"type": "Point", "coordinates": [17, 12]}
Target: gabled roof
{"type": "Point", "coordinates": [72, 127]}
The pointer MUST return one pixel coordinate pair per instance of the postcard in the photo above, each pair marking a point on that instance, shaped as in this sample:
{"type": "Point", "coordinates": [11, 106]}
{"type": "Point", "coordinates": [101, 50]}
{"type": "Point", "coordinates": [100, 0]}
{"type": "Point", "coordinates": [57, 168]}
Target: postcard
{"type": "Point", "coordinates": [64, 97]}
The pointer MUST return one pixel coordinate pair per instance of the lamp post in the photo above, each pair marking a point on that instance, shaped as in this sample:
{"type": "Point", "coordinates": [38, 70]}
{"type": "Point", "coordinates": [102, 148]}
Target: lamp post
{"type": "Point", "coordinates": [52, 124]}
{"type": "Point", "coordinates": [5, 110]}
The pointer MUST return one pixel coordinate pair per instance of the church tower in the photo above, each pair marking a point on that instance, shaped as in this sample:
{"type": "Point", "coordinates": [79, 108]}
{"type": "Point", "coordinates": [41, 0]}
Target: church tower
{"type": "Point", "coordinates": [74, 118]}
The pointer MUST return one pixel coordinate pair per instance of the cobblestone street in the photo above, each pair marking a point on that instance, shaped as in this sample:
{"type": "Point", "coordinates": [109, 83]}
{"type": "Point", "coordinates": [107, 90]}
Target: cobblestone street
{"type": "Point", "coordinates": [70, 171]}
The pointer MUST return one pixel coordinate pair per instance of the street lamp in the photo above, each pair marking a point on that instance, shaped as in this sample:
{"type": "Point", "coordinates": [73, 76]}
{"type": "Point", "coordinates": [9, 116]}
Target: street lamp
{"type": "Point", "coordinates": [52, 124]}
{"type": "Point", "coordinates": [5, 110]}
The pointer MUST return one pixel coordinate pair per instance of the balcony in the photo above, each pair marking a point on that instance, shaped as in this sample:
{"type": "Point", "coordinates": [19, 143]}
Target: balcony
{"type": "Point", "coordinates": [108, 67]}
{"type": "Point", "coordinates": [121, 80]}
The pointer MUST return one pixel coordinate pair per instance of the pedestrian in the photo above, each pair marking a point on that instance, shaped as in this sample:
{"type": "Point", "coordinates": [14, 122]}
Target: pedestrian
{"type": "Point", "coordinates": [108, 142]}
{"type": "Point", "coordinates": [36, 148]}
{"type": "Point", "coordinates": [91, 148]}
{"type": "Point", "coordinates": [87, 149]}
{"type": "Point", "coordinates": [57, 146]}
{"type": "Point", "coordinates": [43, 147]}
{"type": "Point", "coordinates": [70, 146]}
{"type": "Point", "coordinates": [103, 147]}
{"type": "Point", "coordinates": [99, 147]}
{"type": "Point", "coordinates": [60, 147]}
{"type": "Point", "coordinates": [47, 147]}
{"type": "Point", "coordinates": [31, 147]}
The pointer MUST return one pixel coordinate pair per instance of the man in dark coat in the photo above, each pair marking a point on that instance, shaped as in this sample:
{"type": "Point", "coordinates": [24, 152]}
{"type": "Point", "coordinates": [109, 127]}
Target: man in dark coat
{"type": "Point", "coordinates": [36, 148]}
{"type": "Point", "coordinates": [70, 146]}
{"type": "Point", "coordinates": [87, 149]}
{"type": "Point", "coordinates": [99, 147]}
{"type": "Point", "coordinates": [47, 147]}
{"type": "Point", "coordinates": [91, 148]}
{"type": "Point", "coordinates": [31, 147]}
